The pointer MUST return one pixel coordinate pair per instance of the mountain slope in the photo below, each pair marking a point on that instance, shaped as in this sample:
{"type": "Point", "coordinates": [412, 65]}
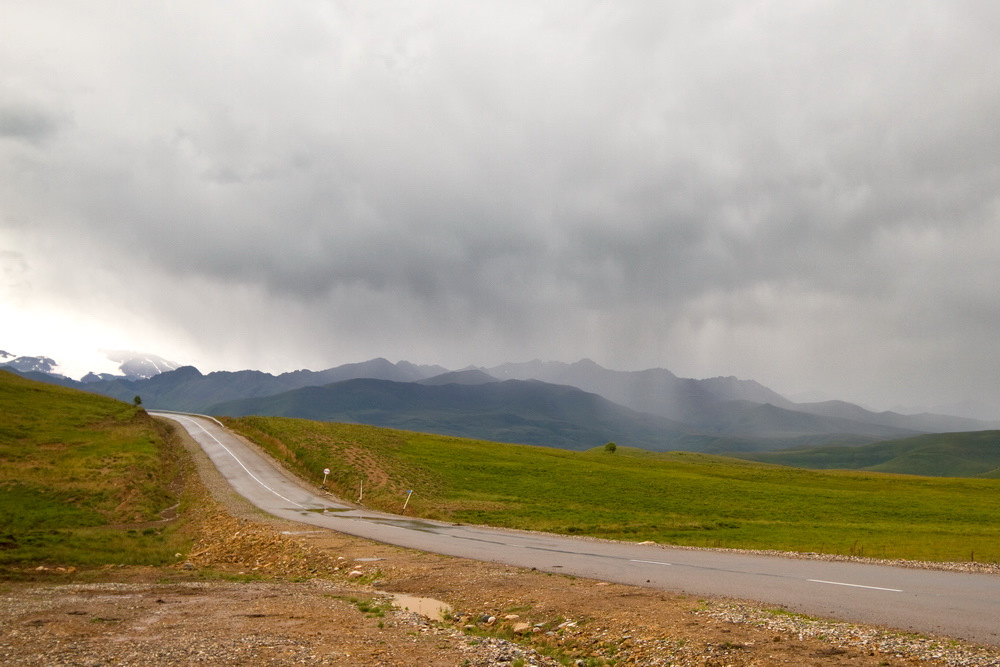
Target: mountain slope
{"type": "Point", "coordinates": [719, 405]}
{"type": "Point", "coordinates": [656, 390]}
{"type": "Point", "coordinates": [22, 365]}
{"type": "Point", "coordinates": [722, 406]}
{"type": "Point", "coordinates": [517, 411]}
{"type": "Point", "coordinates": [468, 376]}
{"type": "Point", "coordinates": [133, 366]}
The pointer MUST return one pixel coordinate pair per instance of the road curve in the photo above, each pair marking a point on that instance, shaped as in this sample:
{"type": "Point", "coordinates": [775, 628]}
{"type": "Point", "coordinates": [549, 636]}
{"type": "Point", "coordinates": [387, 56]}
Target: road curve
{"type": "Point", "coordinates": [954, 604]}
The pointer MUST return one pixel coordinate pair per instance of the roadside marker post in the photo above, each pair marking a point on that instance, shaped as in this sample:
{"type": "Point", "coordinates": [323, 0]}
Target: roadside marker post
{"type": "Point", "coordinates": [408, 494]}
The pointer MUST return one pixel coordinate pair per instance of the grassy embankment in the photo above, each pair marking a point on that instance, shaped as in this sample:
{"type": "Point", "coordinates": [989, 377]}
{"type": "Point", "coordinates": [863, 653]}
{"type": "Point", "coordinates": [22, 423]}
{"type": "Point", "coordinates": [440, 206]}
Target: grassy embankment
{"type": "Point", "coordinates": [84, 480]}
{"type": "Point", "coordinates": [676, 498]}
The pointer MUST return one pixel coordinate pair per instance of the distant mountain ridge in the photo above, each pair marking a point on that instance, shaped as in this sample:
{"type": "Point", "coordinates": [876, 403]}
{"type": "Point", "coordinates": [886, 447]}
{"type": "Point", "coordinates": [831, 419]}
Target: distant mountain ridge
{"type": "Point", "coordinates": [703, 403]}
{"type": "Point", "coordinates": [186, 389]}
{"type": "Point", "coordinates": [656, 390]}
{"type": "Point", "coordinates": [653, 408]}
{"type": "Point", "coordinates": [920, 422]}
{"type": "Point", "coordinates": [518, 411]}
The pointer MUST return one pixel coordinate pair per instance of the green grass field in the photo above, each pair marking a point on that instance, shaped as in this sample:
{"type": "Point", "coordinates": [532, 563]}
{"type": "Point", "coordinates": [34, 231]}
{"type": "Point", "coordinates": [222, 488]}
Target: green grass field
{"type": "Point", "coordinates": [677, 498]}
{"type": "Point", "coordinates": [83, 479]}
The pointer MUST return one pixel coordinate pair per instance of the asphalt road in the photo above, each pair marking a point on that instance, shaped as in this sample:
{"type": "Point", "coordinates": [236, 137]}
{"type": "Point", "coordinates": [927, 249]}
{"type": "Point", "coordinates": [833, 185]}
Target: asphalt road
{"type": "Point", "coordinates": [954, 604]}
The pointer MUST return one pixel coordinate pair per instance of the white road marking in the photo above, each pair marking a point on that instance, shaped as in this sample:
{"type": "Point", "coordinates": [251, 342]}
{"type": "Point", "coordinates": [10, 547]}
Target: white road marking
{"type": "Point", "coordinates": [840, 583]}
{"type": "Point", "coordinates": [255, 478]}
{"type": "Point", "coordinates": [190, 414]}
{"type": "Point", "coordinates": [815, 581]}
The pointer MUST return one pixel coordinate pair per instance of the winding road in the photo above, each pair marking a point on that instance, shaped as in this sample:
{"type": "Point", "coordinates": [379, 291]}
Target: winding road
{"type": "Point", "coordinates": [955, 604]}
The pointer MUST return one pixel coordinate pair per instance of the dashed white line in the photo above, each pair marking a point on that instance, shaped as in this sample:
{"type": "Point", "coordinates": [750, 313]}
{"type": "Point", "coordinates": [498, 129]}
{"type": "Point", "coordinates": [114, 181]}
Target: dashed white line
{"type": "Point", "coordinates": [841, 583]}
{"type": "Point", "coordinates": [815, 581]}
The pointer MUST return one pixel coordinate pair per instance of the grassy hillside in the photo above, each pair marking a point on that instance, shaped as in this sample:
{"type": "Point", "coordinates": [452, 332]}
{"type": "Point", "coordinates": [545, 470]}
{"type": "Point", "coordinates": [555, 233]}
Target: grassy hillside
{"type": "Point", "coordinates": [679, 498]}
{"type": "Point", "coordinates": [83, 479]}
{"type": "Point", "coordinates": [975, 454]}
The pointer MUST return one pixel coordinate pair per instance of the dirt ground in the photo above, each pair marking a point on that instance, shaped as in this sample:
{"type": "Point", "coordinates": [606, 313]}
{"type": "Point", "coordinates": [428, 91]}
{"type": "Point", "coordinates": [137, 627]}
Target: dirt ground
{"type": "Point", "coordinates": [255, 590]}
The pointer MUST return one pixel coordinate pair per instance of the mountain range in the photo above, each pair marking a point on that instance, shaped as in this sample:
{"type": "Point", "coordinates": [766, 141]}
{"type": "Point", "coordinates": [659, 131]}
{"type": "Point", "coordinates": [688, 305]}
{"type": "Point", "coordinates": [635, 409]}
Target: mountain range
{"type": "Point", "coordinates": [574, 406]}
{"type": "Point", "coordinates": [131, 365]}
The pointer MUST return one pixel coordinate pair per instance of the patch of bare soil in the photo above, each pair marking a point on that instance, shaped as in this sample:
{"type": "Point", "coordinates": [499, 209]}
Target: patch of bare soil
{"type": "Point", "coordinates": [255, 590]}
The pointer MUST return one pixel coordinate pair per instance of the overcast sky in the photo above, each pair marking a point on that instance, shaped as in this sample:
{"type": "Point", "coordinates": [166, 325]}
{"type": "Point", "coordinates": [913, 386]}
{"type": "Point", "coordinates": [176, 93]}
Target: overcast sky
{"type": "Point", "coordinates": [802, 193]}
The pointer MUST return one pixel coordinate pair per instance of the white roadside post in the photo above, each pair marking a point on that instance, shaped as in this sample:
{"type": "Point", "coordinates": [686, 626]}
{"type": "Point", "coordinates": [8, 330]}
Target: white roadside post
{"type": "Point", "coordinates": [408, 494]}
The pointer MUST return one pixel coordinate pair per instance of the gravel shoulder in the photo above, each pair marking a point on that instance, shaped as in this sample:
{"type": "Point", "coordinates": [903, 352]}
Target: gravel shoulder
{"type": "Point", "coordinates": [256, 590]}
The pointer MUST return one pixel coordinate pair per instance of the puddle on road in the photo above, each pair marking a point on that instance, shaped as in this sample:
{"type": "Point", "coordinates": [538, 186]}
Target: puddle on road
{"type": "Point", "coordinates": [327, 510]}
{"type": "Point", "coordinates": [429, 607]}
{"type": "Point", "coordinates": [410, 524]}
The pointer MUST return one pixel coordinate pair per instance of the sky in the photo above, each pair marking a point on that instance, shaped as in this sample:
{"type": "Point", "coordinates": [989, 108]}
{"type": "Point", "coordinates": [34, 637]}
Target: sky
{"type": "Point", "coordinates": [806, 194]}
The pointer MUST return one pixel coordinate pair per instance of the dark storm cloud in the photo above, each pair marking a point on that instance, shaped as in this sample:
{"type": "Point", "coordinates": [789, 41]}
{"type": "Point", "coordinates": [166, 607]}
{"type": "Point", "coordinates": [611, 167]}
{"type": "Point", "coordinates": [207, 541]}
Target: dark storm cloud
{"type": "Point", "coordinates": [806, 194]}
{"type": "Point", "coordinates": [25, 124]}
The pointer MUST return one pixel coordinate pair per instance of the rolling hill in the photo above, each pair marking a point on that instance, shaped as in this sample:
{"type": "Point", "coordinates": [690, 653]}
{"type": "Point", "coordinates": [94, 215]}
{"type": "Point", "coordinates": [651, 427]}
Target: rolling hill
{"type": "Point", "coordinates": [974, 454]}
{"type": "Point", "coordinates": [79, 471]}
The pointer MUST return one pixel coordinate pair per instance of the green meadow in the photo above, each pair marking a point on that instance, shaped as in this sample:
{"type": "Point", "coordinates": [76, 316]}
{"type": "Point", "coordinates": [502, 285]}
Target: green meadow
{"type": "Point", "coordinates": [672, 498]}
{"type": "Point", "coordinates": [84, 480]}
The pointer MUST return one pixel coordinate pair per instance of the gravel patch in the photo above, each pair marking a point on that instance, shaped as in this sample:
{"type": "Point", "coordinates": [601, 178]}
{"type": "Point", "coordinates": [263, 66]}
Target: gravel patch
{"type": "Point", "coordinates": [843, 635]}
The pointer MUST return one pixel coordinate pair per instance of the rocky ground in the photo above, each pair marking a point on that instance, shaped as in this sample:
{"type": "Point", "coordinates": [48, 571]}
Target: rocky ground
{"type": "Point", "coordinates": [255, 590]}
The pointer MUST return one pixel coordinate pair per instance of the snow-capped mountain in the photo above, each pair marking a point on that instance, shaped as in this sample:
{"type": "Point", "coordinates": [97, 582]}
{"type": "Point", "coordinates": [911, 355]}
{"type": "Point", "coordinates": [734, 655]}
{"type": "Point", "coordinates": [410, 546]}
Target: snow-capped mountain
{"type": "Point", "coordinates": [28, 364]}
{"type": "Point", "coordinates": [133, 366]}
